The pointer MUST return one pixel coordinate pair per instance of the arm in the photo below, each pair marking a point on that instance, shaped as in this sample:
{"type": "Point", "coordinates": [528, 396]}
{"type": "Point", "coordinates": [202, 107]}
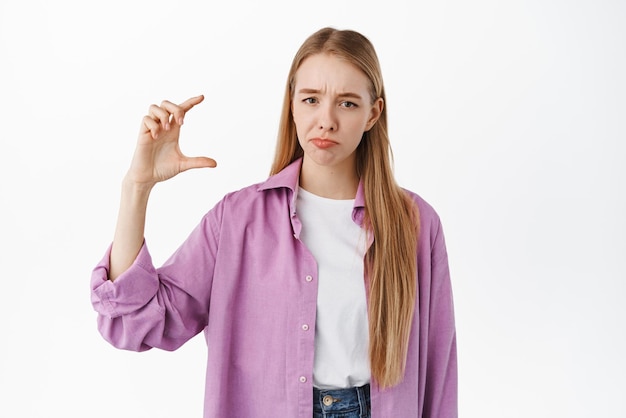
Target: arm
{"type": "Point", "coordinates": [441, 392]}
{"type": "Point", "coordinates": [129, 231]}
{"type": "Point", "coordinates": [157, 158]}
{"type": "Point", "coordinates": [138, 306]}
{"type": "Point", "coordinates": [148, 307]}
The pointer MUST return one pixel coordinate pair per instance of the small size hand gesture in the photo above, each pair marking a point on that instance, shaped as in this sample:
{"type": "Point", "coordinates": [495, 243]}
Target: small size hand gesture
{"type": "Point", "coordinates": [158, 156]}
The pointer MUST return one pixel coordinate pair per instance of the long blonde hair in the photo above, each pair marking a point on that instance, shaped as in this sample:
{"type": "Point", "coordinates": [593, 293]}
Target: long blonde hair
{"type": "Point", "coordinates": [390, 215]}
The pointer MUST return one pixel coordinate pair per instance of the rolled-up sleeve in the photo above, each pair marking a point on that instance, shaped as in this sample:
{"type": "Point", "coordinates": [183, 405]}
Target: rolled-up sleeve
{"type": "Point", "coordinates": [130, 292]}
{"type": "Point", "coordinates": [148, 307]}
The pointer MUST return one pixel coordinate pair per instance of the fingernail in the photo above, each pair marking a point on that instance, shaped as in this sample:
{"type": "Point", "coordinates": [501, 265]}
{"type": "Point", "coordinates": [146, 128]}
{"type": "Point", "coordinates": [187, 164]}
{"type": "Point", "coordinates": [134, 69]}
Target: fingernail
{"type": "Point", "coordinates": [180, 121]}
{"type": "Point", "coordinates": [167, 126]}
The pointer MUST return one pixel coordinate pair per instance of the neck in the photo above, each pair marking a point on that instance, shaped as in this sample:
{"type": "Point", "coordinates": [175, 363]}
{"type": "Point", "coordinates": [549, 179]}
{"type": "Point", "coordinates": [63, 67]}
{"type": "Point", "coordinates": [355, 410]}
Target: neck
{"type": "Point", "coordinates": [336, 182]}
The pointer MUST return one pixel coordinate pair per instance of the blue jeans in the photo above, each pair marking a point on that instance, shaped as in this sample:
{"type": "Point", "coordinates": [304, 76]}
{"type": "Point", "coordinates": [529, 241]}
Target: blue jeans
{"type": "Point", "coordinates": [342, 403]}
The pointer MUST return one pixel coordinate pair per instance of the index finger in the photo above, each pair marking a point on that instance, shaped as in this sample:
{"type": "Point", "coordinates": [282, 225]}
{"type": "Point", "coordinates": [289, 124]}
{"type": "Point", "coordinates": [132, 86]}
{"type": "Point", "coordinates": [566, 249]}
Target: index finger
{"type": "Point", "coordinates": [178, 111]}
{"type": "Point", "coordinates": [189, 103]}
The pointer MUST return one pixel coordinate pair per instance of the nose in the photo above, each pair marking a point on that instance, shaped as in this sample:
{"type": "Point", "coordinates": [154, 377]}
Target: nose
{"type": "Point", "coordinates": [327, 118]}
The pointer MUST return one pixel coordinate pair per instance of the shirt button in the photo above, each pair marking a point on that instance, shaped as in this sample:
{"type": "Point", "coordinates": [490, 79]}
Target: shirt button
{"type": "Point", "coordinates": [302, 379]}
{"type": "Point", "coordinates": [308, 278]}
{"type": "Point", "coordinates": [305, 327]}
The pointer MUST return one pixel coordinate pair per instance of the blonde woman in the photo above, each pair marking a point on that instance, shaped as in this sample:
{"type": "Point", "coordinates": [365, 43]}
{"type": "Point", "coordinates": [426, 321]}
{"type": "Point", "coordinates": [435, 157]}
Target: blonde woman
{"type": "Point", "coordinates": [323, 291]}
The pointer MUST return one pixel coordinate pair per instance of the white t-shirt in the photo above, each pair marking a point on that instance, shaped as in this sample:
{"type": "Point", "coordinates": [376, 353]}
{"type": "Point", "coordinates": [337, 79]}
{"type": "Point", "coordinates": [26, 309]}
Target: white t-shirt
{"type": "Point", "coordinates": [341, 330]}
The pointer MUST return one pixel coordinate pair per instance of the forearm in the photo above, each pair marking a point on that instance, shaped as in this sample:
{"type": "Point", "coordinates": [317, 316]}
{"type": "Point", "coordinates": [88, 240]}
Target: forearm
{"type": "Point", "coordinates": [129, 232]}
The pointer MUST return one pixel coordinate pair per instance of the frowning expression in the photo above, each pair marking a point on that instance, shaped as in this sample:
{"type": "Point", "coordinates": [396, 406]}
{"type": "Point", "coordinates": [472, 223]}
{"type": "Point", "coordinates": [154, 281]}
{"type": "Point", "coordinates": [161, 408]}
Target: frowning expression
{"type": "Point", "coordinates": [332, 107]}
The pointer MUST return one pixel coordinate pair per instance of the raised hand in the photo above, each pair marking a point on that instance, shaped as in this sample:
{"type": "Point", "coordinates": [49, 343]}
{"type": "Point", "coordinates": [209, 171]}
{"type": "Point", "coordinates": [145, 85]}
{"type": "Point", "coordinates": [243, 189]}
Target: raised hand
{"type": "Point", "coordinates": [158, 156]}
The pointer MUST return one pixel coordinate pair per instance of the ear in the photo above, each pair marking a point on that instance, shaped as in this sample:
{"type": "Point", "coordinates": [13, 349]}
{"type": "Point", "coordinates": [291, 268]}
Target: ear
{"type": "Point", "coordinates": [376, 111]}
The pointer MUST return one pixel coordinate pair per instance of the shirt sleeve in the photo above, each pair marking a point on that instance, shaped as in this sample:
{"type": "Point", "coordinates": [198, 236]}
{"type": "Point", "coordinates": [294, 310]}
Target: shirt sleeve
{"type": "Point", "coordinates": [441, 375]}
{"type": "Point", "coordinates": [164, 307]}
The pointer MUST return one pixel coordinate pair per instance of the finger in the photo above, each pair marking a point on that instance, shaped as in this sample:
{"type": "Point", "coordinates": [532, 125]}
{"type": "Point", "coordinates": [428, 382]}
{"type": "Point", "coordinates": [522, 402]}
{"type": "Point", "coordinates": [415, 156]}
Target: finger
{"type": "Point", "coordinates": [188, 104]}
{"type": "Point", "coordinates": [161, 115]}
{"type": "Point", "coordinates": [176, 111]}
{"type": "Point", "coordinates": [150, 125]}
{"type": "Point", "coordinates": [197, 162]}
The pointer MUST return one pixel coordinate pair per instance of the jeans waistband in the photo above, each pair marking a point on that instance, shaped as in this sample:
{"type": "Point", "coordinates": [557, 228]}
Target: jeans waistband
{"type": "Point", "coordinates": [355, 399]}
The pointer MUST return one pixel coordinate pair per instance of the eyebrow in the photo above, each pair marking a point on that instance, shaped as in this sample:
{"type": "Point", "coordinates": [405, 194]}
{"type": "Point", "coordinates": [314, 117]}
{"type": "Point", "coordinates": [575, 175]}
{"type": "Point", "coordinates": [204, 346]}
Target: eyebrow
{"type": "Point", "coordinates": [316, 91]}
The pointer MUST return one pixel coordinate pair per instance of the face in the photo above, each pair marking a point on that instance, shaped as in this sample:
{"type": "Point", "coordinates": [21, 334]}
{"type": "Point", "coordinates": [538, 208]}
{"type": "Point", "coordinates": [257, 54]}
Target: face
{"type": "Point", "coordinates": [332, 108]}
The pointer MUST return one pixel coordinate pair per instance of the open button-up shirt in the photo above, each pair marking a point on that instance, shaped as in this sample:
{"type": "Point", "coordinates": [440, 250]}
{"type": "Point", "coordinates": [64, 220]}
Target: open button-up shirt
{"type": "Point", "coordinates": [244, 278]}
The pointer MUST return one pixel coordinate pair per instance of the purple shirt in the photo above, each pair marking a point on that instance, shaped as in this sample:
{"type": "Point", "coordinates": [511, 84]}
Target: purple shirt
{"type": "Point", "coordinates": [244, 277]}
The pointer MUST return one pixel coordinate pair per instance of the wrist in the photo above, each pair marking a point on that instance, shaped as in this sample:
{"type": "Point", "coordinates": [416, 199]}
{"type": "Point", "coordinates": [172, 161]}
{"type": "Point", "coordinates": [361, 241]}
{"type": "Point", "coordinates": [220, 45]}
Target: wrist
{"type": "Point", "coordinates": [131, 185]}
{"type": "Point", "coordinates": [135, 191]}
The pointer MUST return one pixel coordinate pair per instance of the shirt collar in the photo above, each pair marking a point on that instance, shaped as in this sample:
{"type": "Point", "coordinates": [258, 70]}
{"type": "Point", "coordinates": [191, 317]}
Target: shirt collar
{"type": "Point", "coordinates": [289, 178]}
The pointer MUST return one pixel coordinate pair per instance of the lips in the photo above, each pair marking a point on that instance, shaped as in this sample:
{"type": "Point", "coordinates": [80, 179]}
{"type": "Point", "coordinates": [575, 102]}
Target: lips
{"type": "Point", "coordinates": [323, 143]}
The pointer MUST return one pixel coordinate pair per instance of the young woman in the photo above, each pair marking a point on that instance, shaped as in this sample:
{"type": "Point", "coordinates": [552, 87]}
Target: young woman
{"type": "Point", "coordinates": [323, 291]}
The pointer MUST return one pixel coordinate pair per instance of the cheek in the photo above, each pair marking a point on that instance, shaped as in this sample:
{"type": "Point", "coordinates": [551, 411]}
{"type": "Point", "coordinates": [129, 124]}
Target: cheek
{"type": "Point", "coordinates": [301, 122]}
{"type": "Point", "coordinates": [299, 116]}
{"type": "Point", "coordinates": [300, 132]}
{"type": "Point", "coordinates": [356, 124]}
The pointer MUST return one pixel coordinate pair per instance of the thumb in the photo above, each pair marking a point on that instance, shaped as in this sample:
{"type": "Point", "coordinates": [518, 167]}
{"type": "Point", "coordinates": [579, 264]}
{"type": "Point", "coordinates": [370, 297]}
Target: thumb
{"type": "Point", "coordinates": [197, 162]}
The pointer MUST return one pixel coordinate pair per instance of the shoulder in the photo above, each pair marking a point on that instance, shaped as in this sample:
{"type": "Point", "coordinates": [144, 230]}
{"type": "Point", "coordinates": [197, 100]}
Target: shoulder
{"type": "Point", "coordinates": [431, 233]}
{"type": "Point", "coordinates": [428, 214]}
{"type": "Point", "coordinates": [277, 185]}
{"type": "Point", "coordinates": [247, 200]}
{"type": "Point", "coordinates": [244, 194]}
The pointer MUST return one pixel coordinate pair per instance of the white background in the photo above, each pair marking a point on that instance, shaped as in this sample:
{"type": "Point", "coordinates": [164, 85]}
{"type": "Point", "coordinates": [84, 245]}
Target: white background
{"type": "Point", "coordinates": [507, 116]}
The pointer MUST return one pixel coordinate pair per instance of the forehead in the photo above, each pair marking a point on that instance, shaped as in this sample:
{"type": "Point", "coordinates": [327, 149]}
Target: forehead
{"type": "Point", "coordinates": [327, 71]}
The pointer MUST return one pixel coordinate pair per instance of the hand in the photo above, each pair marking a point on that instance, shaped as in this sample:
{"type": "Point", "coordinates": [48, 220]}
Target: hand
{"type": "Point", "coordinates": [158, 156]}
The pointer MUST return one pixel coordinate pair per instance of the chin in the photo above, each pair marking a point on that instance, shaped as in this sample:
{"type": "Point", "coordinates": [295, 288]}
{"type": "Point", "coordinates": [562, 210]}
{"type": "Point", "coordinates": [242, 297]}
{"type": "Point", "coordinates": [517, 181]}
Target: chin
{"type": "Point", "coordinates": [328, 159]}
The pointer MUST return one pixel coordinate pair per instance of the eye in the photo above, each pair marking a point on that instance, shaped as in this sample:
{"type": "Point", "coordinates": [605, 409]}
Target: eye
{"type": "Point", "coordinates": [310, 100]}
{"type": "Point", "coordinates": [348, 104]}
